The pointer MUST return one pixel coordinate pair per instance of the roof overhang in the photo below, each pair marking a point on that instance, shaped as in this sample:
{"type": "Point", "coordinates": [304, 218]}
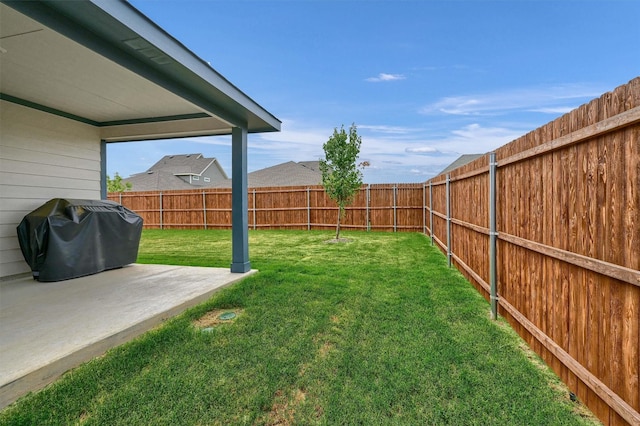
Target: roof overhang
{"type": "Point", "coordinates": [104, 63]}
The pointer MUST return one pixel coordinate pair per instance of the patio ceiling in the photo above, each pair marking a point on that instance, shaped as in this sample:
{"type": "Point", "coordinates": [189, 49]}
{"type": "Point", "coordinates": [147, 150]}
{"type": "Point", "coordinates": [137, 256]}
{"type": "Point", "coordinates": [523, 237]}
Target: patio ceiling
{"type": "Point", "coordinates": [104, 63]}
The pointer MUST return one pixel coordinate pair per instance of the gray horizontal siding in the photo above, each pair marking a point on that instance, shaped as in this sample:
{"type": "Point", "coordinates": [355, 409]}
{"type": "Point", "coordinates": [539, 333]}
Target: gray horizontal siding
{"type": "Point", "coordinates": [42, 156]}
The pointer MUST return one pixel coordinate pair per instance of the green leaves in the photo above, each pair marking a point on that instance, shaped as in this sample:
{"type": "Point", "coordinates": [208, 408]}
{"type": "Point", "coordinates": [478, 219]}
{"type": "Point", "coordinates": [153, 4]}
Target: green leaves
{"type": "Point", "coordinates": [116, 184]}
{"type": "Point", "coordinates": [341, 177]}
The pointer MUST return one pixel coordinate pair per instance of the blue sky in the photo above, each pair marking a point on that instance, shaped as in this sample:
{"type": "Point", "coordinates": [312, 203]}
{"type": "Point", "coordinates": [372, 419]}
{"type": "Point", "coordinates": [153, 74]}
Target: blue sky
{"type": "Point", "coordinates": [423, 80]}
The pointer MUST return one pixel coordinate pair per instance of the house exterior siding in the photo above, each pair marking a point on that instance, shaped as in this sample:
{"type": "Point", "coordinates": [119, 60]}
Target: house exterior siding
{"type": "Point", "coordinates": [211, 175]}
{"type": "Point", "coordinates": [42, 156]}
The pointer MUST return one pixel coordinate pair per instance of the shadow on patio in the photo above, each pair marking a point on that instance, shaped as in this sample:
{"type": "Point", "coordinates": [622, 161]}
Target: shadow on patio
{"type": "Point", "coordinates": [49, 328]}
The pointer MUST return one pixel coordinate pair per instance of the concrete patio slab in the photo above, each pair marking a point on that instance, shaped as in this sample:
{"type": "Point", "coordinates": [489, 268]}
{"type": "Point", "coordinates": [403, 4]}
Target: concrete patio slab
{"type": "Point", "coordinates": [49, 328]}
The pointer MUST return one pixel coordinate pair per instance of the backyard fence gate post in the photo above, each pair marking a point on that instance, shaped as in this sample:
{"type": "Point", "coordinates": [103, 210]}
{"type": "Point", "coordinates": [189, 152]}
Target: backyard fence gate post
{"type": "Point", "coordinates": [493, 235]}
{"type": "Point", "coordinates": [431, 211]}
{"type": "Point", "coordinates": [448, 190]}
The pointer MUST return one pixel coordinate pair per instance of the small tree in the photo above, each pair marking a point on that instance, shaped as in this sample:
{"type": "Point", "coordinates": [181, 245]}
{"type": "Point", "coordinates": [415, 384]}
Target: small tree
{"type": "Point", "coordinates": [341, 176]}
{"type": "Point", "coordinates": [116, 184]}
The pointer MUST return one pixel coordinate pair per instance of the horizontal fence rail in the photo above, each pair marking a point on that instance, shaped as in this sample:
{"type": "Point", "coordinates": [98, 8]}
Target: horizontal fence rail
{"type": "Point", "coordinates": [562, 207]}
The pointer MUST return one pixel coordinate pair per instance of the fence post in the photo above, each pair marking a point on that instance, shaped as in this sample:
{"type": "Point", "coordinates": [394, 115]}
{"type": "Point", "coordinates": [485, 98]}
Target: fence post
{"type": "Point", "coordinates": [308, 209]}
{"type": "Point", "coordinates": [448, 220]}
{"type": "Point", "coordinates": [161, 210]}
{"type": "Point", "coordinates": [493, 235]}
{"type": "Point", "coordinates": [204, 208]}
{"type": "Point", "coordinates": [431, 211]}
{"type": "Point", "coordinates": [121, 198]}
{"type": "Point", "coordinates": [254, 209]}
{"type": "Point", "coordinates": [394, 208]}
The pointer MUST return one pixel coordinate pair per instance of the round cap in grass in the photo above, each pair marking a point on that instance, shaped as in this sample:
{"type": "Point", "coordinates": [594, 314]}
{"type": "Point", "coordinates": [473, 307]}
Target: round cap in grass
{"type": "Point", "coordinates": [227, 316]}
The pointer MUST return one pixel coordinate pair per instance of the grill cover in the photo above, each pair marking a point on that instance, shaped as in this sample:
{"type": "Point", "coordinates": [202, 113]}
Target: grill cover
{"type": "Point", "coordinates": [66, 238]}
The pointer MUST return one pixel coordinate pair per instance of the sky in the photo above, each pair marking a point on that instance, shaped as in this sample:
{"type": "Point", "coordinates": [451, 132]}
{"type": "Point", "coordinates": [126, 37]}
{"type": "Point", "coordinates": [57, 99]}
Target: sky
{"type": "Point", "coordinates": [424, 81]}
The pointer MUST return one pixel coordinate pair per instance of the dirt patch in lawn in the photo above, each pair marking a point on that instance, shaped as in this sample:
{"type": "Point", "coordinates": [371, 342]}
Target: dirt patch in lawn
{"type": "Point", "coordinates": [338, 241]}
{"type": "Point", "coordinates": [213, 318]}
{"type": "Point", "coordinates": [284, 407]}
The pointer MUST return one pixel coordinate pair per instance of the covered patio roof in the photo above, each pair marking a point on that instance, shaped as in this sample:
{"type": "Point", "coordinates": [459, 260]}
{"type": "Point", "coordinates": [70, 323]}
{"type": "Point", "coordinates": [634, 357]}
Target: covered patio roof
{"type": "Point", "coordinates": [104, 63]}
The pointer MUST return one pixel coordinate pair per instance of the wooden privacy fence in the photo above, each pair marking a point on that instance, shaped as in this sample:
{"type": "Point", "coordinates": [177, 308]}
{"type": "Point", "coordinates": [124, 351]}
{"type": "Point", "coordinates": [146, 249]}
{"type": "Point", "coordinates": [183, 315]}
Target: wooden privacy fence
{"type": "Point", "coordinates": [548, 229]}
{"type": "Point", "coordinates": [400, 207]}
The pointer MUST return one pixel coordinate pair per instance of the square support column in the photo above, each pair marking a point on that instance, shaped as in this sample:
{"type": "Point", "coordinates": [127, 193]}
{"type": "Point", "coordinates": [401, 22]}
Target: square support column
{"type": "Point", "coordinates": [239, 201]}
{"type": "Point", "coordinates": [103, 170]}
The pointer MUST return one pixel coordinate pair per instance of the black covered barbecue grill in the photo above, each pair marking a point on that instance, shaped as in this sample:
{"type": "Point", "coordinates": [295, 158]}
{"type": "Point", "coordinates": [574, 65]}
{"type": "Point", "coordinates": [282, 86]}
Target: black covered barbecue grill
{"type": "Point", "coordinates": [66, 238]}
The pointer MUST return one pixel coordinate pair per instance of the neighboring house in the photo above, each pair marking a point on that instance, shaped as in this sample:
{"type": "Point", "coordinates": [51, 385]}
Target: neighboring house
{"type": "Point", "coordinates": [460, 161]}
{"type": "Point", "coordinates": [284, 174]}
{"type": "Point", "coordinates": [77, 76]}
{"type": "Point", "coordinates": [191, 171]}
{"type": "Point", "coordinates": [186, 171]}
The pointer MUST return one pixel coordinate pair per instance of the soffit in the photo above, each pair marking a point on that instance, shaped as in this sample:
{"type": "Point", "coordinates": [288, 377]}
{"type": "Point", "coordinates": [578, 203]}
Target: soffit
{"type": "Point", "coordinates": [108, 75]}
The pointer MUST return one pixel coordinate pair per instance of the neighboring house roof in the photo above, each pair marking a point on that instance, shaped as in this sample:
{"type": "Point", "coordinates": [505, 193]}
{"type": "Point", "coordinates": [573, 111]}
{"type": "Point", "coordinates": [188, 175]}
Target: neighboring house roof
{"type": "Point", "coordinates": [284, 174]}
{"type": "Point", "coordinates": [287, 174]}
{"type": "Point", "coordinates": [156, 181]}
{"type": "Point", "coordinates": [166, 173]}
{"type": "Point", "coordinates": [186, 164]}
{"type": "Point", "coordinates": [313, 165]}
{"type": "Point", "coordinates": [461, 161]}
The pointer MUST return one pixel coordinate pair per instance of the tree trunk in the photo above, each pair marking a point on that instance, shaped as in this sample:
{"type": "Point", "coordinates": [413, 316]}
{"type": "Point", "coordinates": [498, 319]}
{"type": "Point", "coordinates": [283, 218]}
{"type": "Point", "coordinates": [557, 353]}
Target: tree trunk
{"type": "Point", "coordinates": [338, 225]}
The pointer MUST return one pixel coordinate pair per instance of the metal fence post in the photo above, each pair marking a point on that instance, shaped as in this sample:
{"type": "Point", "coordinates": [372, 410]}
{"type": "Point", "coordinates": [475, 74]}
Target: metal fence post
{"type": "Point", "coordinates": [448, 220]}
{"type": "Point", "coordinates": [493, 235]}
{"type": "Point", "coordinates": [161, 210]}
{"type": "Point", "coordinates": [424, 208]}
{"type": "Point", "coordinates": [204, 208]}
{"type": "Point", "coordinates": [431, 211]}
{"type": "Point", "coordinates": [395, 188]}
{"type": "Point", "coordinates": [308, 209]}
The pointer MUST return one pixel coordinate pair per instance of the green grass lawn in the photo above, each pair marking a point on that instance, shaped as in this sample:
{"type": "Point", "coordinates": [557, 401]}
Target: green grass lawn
{"type": "Point", "coordinates": [377, 331]}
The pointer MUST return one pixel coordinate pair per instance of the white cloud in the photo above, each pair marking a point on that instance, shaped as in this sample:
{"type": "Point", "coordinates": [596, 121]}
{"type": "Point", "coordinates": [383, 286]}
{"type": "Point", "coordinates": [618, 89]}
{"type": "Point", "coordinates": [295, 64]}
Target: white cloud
{"type": "Point", "coordinates": [546, 99]}
{"type": "Point", "coordinates": [414, 156]}
{"type": "Point", "coordinates": [555, 110]}
{"type": "Point", "coordinates": [470, 139]}
{"type": "Point", "coordinates": [293, 132]}
{"type": "Point", "coordinates": [425, 150]}
{"type": "Point", "coordinates": [385, 77]}
{"type": "Point", "coordinates": [385, 129]}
